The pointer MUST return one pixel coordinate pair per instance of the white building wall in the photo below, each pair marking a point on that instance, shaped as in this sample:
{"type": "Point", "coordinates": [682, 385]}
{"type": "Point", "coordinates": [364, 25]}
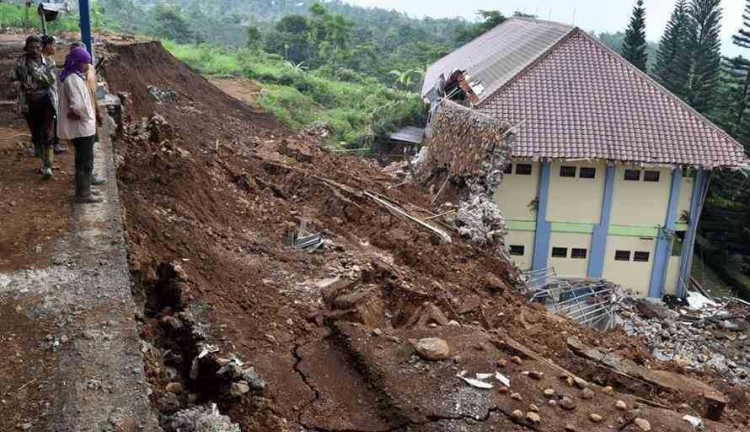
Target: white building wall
{"type": "Point", "coordinates": [641, 203]}
{"type": "Point", "coordinates": [686, 197]}
{"type": "Point", "coordinates": [570, 267]}
{"type": "Point", "coordinates": [576, 199]}
{"type": "Point", "coordinates": [632, 275]}
{"type": "Point", "coordinates": [525, 239]}
{"type": "Point", "coordinates": [518, 191]}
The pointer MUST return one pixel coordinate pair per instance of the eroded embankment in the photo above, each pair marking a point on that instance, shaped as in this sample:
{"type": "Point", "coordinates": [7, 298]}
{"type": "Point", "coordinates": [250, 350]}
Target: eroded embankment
{"type": "Point", "coordinates": [211, 191]}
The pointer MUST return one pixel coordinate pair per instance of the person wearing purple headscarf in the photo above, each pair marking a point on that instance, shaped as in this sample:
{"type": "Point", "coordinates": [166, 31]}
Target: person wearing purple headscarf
{"type": "Point", "coordinates": [77, 121]}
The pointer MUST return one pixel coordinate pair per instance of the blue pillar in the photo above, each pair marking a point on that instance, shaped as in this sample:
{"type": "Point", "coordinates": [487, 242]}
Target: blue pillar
{"type": "Point", "coordinates": [542, 235]}
{"type": "Point", "coordinates": [664, 240]}
{"type": "Point", "coordinates": [601, 230]}
{"type": "Point", "coordinates": [700, 189]}
{"type": "Point", "coordinates": [85, 13]}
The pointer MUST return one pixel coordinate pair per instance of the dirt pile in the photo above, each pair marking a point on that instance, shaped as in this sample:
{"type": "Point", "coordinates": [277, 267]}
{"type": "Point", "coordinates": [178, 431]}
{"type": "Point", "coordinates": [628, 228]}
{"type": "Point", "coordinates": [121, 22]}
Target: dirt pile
{"type": "Point", "coordinates": [216, 189]}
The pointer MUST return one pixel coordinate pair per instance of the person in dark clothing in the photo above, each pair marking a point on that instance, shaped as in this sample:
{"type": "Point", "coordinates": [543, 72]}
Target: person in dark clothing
{"type": "Point", "coordinates": [49, 49]}
{"type": "Point", "coordinates": [37, 99]}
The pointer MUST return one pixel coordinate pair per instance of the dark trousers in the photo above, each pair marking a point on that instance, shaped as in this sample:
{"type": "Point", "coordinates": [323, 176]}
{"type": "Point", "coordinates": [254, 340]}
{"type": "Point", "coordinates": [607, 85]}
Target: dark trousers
{"type": "Point", "coordinates": [84, 148]}
{"type": "Point", "coordinates": [41, 121]}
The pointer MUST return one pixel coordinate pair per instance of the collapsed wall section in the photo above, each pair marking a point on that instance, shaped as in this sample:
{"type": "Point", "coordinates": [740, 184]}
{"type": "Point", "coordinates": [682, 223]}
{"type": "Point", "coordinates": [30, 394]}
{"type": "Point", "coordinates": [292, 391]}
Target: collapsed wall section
{"type": "Point", "coordinates": [468, 152]}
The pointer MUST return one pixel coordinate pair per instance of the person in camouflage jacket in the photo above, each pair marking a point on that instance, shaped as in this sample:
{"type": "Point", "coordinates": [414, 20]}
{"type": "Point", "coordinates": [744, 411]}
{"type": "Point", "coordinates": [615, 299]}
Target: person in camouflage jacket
{"type": "Point", "coordinates": [35, 82]}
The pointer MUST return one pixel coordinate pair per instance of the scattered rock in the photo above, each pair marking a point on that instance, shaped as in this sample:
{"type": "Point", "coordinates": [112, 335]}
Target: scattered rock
{"type": "Point", "coordinates": [642, 424]}
{"type": "Point", "coordinates": [517, 415]}
{"type": "Point", "coordinates": [256, 382]}
{"type": "Point", "coordinates": [201, 419]}
{"type": "Point", "coordinates": [580, 383]}
{"type": "Point", "coordinates": [567, 403]}
{"type": "Point", "coordinates": [587, 393]}
{"type": "Point", "coordinates": [570, 428]}
{"type": "Point", "coordinates": [516, 396]}
{"type": "Point", "coordinates": [503, 390]}
{"type": "Point", "coordinates": [174, 387]}
{"type": "Point", "coordinates": [533, 408]}
{"type": "Point", "coordinates": [536, 375]}
{"type": "Point", "coordinates": [596, 418]}
{"type": "Point", "coordinates": [608, 390]}
{"type": "Point", "coordinates": [238, 389]}
{"type": "Point", "coordinates": [25, 426]}
{"type": "Point", "coordinates": [621, 405]}
{"type": "Point", "coordinates": [552, 402]}
{"type": "Point", "coordinates": [433, 349]}
{"type": "Point", "coordinates": [548, 393]}
{"type": "Point", "coordinates": [502, 363]}
{"type": "Point", "coordinates": [533, 417]}
{"type": "Point", "coordinates": [377, 332]}
{"type": "Point", "coordinates": [516, 360]}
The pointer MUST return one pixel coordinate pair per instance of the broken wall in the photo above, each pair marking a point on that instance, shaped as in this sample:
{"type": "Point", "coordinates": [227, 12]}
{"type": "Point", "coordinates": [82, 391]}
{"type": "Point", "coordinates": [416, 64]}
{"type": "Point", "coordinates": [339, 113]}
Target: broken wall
{"type": "Point", "coordinates": [465, 159]}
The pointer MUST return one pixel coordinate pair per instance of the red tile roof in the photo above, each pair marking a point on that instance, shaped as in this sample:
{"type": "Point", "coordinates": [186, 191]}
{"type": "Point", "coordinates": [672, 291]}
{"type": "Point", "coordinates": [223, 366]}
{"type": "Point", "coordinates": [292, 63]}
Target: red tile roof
{"type": "Point", "coordinates": [582, 100]}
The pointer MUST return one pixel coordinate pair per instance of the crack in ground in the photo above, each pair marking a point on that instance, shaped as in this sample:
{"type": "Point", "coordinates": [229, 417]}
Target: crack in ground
{"type": "Point", "coordinates": [298, 359]}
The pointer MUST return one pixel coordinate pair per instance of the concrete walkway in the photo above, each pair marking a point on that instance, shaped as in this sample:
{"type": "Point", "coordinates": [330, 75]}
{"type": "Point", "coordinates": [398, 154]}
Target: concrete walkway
{"type": "Point", "coordinates": [98, 382]}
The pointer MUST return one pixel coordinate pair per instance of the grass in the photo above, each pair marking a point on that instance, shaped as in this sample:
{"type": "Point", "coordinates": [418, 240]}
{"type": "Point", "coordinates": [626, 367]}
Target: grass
{"type": "Point", "coordinates": [356, 109]}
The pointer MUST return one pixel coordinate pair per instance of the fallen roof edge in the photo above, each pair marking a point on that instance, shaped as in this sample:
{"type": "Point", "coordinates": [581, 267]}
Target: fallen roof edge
{"type": "Point", "coordinates": [425, 91]}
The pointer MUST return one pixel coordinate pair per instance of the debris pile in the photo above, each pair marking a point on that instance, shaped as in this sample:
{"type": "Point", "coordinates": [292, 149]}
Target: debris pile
{"type": "Point", "coordinates": [468, 151]}
{"type": "Point", "coordinates": [708, 336]}
{"type": "Point", "coordinates": [589, 302]}
{"type": "Point", "coordinates": [334, 333]}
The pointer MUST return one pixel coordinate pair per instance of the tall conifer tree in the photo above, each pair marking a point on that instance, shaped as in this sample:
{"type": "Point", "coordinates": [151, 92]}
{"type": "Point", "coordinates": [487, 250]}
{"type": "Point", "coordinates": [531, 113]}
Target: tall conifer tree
{"type": "Point", "coordinates": [706, 54]}
{"type": "Point", "coordinates": [634, 44]}
{"type": "Point", "coordinates": [672, 67]}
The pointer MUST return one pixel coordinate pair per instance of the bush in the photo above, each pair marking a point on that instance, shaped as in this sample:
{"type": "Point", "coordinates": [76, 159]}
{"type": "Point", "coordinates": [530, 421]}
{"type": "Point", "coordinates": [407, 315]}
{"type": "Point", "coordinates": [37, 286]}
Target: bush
{"type": "Point", "coordinates": [354, 107]}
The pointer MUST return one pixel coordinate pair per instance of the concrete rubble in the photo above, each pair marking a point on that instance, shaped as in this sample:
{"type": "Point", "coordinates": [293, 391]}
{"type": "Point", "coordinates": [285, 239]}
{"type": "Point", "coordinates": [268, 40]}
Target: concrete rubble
{"type": "Point", "coordinates": [711, 337]}
{"type": "Point", "coordinates": [467, 153]}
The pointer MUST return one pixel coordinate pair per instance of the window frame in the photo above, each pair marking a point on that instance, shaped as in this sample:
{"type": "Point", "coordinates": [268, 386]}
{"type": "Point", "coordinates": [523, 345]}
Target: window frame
{"type": "Point", "coordinates": [559, 250]}
{"type": "Point", "coordinates": [620, 252]}
{"type": "Point", "coordinates": [565, 171]}
{"type": "Point", "coordinates": [625, 175]}
{"type": "Point", "coordinates": [591, 170]}
{"type": "Point", "coordinates": [651, 173]}
{"type": "Point", "coordinates": [522, 249]}
{"type": "Point", "coordinates": [579, 250]}
{"type": "Point", "coordinates": [519, 165]}
{"type": "Point", "coordinates": [638, 256]}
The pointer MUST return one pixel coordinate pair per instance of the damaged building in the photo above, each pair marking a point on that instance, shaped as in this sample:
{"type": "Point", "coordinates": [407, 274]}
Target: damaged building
{"type": "Point", "coordinates": [609, 169]}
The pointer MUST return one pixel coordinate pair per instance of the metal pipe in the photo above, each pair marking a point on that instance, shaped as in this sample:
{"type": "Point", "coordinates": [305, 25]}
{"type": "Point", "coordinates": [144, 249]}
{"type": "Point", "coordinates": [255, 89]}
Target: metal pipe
{"type": "Point", "coordinates": [84, 11]}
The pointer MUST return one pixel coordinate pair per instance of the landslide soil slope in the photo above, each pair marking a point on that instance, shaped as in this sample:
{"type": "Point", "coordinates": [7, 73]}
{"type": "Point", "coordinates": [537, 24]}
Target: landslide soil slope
{"type": "Point", "coordinates": [216, 187]}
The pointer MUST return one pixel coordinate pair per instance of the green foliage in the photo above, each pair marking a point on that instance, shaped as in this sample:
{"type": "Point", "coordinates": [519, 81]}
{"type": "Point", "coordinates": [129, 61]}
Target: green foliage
{"type": "Point", "coordinates": [355, 110]}
{"type": "Point", "coordinates": [489, 20]}
{"type": "Point", "coordinates": [672, 68]}
{"type": "Point", "coordinates": [634, 44]}
{"type": "Point", "coordinates": [706, 54]}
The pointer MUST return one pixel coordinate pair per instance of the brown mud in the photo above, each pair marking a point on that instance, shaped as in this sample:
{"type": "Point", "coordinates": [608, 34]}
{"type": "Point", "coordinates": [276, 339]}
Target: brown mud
{"type": "Point", "coordinates": [212, 187]}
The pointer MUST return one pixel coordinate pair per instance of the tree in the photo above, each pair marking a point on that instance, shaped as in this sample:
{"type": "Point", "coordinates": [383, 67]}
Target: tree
{"type": "Point", "coordinates": [290, 39]}
{"type": "Point", "coordinates": [706, 54]}
{"type": "Point", "coordinates": [672, 68]}
{"type": "Point", "coordinates": [634, 45]}
{"type": "Point", "coordinates": [170, 23]}
{"type": "Point", "coordinates": [254, 37]}
{"type": "Point", "coordinates": [491, 19]}
{"type": "Point", "coordinates": [742, 38]}
{"type": "Point", "coordinates": [733, 109]}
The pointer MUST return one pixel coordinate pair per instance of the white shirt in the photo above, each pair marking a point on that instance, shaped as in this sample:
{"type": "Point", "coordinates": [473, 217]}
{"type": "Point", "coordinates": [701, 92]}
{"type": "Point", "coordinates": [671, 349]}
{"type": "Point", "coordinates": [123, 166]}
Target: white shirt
{"type": "Point", "coordinates": [75, 96]}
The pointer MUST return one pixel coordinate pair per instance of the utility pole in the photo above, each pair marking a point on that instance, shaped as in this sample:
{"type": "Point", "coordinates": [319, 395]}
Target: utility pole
{"type": "Point", "coordinates": [85, 13]}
